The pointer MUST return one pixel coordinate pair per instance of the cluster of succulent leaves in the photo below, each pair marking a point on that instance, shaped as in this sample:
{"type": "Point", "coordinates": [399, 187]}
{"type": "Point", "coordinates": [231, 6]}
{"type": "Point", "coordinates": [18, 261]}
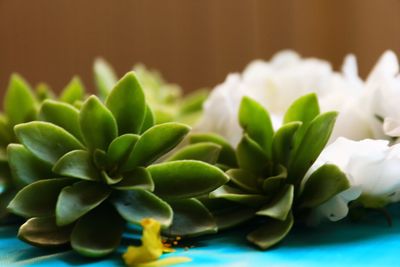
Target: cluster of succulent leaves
{"type": "Point", "coordinates": [267, 171]}
{"type": "Point", "coordinates": [165, 99]}
{"type": "Point", "coordinates": [91, 170]}
{"type": "Point", "coordinates": [21, 104]}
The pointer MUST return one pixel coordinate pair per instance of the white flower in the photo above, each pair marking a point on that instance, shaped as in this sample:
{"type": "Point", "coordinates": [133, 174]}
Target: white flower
{"type": "Point", "coordinates": [373, 170]}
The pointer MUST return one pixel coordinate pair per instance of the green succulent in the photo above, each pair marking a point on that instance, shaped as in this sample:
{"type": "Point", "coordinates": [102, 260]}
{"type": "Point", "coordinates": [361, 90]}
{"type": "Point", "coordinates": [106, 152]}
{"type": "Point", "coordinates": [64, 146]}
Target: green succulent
{"type": "Point", "coordinates": [268, 168]}
{"type": "Point", "coordinates": [165, 99]}
{"type": "Point", "coordinates": [90, 170]}
{"type": "Point", "coordinates": [21, 104]}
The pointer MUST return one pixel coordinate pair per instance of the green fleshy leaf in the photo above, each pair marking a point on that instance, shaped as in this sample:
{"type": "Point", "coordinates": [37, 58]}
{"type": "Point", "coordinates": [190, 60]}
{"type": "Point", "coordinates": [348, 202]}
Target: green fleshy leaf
{"type": "Point", "coordinates": [61, 114]}
{"type": "Point", "coordinates": [280, 206]}
{"type": "Point", "coordinates": [73, 92]}
{"type": "Point", "coordinates": [315, 139]}
{"type": "Point", "coordinates": [206, 152]}
{"type": "Point", "coordinates": [245, 180]}
{"type": "Point", "coordinates": [25, 167]}
{"type": "Point", "coordinates": [256, 122]}
{"type": "Point", "coordinates": [44, 232]}
{"type": "Point", "coordinates": [227, 155]}
{"type": "Point", "coordinates": [283, 142]}
{"type": "Point", "coordinates": [78, 199]}
{"type": "Point", "coordinates": [43, 91]}
{"type": "Point", "coordinates": [97, 124]}
{"type": "Point", "coordinates": [138, 178]}
{"type": "Point", "coordinates": [77, 164]}
{"type": "Point", "coordinates": [39, 198]}
{"type": "Point", "coordinates": [126, 101]}
{"type": "Point", "coordinates": [186, 178]}
{"type": "Point", "coordinates": [46, 141]}
{"type": "Point", "coordinates": [155, 142]}
{"type": "Point", "coordinates": [137, 204]}
{"type": "Point", "coordinates": [238, 196]}
{"type": "Point", "coordinates": [120, 148]}
{"type": "Point", "coordinates": [323, 184]}
{"type": "Point", "coordinates": [271, 232]}
{"type": "Point", "coordinates": [111, 180]}
{"type": "Point", "coordinates": [250, 156]}
{"type": "Point", "coordinates": [6, 132]}
{"type": "Point", "coordinates": [273, 183]}
{"type": "Point", "coordinates": [193, 102]}
{"type": "Point", "coordinates": [148, 121]}
{"type": "Point", "coordinates": [19, 101]}
{"type": "Point", "coordinates": [191, 218]}
{"type": "Point", "coordinates": [98, 233]}
{"type": "Point", "coordinates": [104, 76]}
{"type": "Point", "coordinates": [100, 159]}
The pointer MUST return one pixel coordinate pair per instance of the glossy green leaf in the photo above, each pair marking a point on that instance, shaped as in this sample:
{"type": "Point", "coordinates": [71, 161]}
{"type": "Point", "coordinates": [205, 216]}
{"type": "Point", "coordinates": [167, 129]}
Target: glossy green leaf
{"type": "Point", "coordinates": [98, 233]}
{"type": "Point", "coordinates": [138, 178]}
{"type": "Point", "coordinates": [74, 91]}
{"type": "Point", "coordinates": [323, 184]}
{"type": "Point", "coordinates": [227, 154]}
{"type": "Point", "coordinates": [239, 196]}
{"type": "Point", "coordinates": [148, 121]}
{"type": "Point", "coordinates": [104, 76]}
{"type": "Point", "coordinates": [111, 180]}
{"type": "Point", "coordinates": [61, 114]}
{"type": "Point", "coordinates": [78, 199]}
{"type": "Point", "coordinates": [245, 180]}
{"type": "Point", "coordinates": [44, 232]}
{"type": "Point", "coordinates": [206, 152]}
{"type": "Point", "coordinates": [97, 124]}
{"type": "Point", "coordinates": [273, 183]}
{"type": "Point", "coordinates": [283, 142]}
{"type": "Point", "coordinates": [280, 206]}
{"type": "Point", "coordinates": [137, 204]}
{"type": "Point", "coordinates": [25, 167]}
{"type": "Point", "coordinates": [39, 198]}
{"type": "Point", "coordinates": [120, 148]}
{"type": "Point", "coordinates": [126, 101]}
{"type": "Point", "coordinates": [271, 232]}
{"type": "Point", "coordinates": [46, 141]}
{"type": "Point", "coordinates": [315, 139]}
{"type": "Point", "coordinates": [77, 164]}
{"type": "Point", "coordinates": [256, 122]}
{"type": "Point", "coordinates": [191, 218]}
{"type": "Point", "coordinates": [19, 101]}
{"type": "Point", "coordinates": [186, 178]}
{"type": "Point", "coordinates": [250, 156]}
{"type": "Point", "coordinates": [155, 142]}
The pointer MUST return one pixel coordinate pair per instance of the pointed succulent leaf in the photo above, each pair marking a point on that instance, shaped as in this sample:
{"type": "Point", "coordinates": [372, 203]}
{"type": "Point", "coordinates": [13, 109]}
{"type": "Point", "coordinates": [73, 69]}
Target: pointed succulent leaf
{"type": "Point", "coordinates": [323, 184]}
{"type": "Point", "coordinates": [78, 199]}
{"type": "Point", "coordinates": [25, 167]}
{"type": "Point", "coordinates": [206, 152]}
{"type": "Point", "coordinates": [126, 101]}
{"type": "Point", "coordinates": [191, 218]}
{"type": "Point", "coordinates": [245, 180]}
{"type": "Point", "coordinates": [280, 205]}
{"type": "Point", "coordinates": [315, 139]}
{"type": "Point", "coordinates": [256, 122]}
{"type": "Point", "coordinates": [138, 178]}
{"type": "Point", "coordinates": [186, 178]}
{"type": "Point", "coordinates": [97, 124]}
{"type": "Point", "coordinates": [19, 101]}
{"type": "Point", "coordinates": [155, 142]}
{"type": "Point", "coordinates": [39, 198]}
{"type": "Point", "coordinates": [43, 91]}
{"type": "Point", "coordinates": [303, 109]}
{"type": "Point", "coordinates": [6, 132]}
{"type": "Point", "coordinates": [227, 155]}
{"type": "Point", "coordinates": [100, 159]}
{"type": "Point", "coordinates": [73, 92]}
{"type": "Point", "coordinates": [46, 141]}
{"type": "Point", "coordinates": [273, 183]}
{"type": "Point", "coordinates": [148, 121]}
{"type": "Point", "coordinates": [44, 232]}
{"type": "Point", "coordinates": [283, 142]}
{"type": "Point", "coordinates": [77, 164]}
{"type": "Point", "coordinates": [120, 147]}
{"type": "Point", "coordinates": [271, 232]}
{"type": "Point", "coordinates": [98, 233]}
{"type": "Point", "coordinates": [137, 204]}
{"type": "Point", "coordinates": [238, 196]}
{"type": "Point", "coordinates": [104, 76]}
{"type": "Point", "coordinates": [250, 156]}
{"type": "Point", "coordinates": [111, 180]}
{"type": "Point", "coordinates": [63, 115]}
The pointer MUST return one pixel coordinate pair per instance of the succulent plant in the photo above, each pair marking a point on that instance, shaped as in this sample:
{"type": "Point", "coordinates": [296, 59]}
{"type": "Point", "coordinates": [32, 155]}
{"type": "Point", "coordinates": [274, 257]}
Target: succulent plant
{"type": "Point", "coordinates": [90, 170]}
{"type": "Point", "coordinates": [268, 168]}
{"type": "Point", "coordinates": [165, 99]}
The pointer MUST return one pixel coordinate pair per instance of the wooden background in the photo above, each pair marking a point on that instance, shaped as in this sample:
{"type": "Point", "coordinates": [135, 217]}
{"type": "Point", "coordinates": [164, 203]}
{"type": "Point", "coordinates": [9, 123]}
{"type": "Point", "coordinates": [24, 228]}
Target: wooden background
{"type": "Point", "coordinates": [193, 42]}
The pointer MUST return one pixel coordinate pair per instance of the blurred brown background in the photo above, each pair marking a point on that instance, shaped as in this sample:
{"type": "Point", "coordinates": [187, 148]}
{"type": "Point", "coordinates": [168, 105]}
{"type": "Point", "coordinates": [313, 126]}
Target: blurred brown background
{"type": "Point", "coordinates": [194, 43]}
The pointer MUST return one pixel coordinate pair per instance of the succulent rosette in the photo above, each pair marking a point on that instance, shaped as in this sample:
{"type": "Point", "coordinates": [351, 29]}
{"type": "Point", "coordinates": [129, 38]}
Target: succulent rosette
{"type": "Point", "coordinates": [268, 168]}
{"type": "Point", "coordinates": [91, 170]}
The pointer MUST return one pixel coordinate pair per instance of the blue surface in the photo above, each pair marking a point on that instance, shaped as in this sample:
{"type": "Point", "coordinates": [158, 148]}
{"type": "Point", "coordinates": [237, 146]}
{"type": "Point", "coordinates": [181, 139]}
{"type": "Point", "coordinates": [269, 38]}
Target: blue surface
{"type": "Point", "coordinates": [370, 243]}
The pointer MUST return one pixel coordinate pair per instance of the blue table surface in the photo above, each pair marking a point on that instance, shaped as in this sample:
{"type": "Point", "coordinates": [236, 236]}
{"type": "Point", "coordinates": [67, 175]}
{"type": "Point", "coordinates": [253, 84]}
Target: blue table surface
{"type": "Point", "coordinates": [368, 243]}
